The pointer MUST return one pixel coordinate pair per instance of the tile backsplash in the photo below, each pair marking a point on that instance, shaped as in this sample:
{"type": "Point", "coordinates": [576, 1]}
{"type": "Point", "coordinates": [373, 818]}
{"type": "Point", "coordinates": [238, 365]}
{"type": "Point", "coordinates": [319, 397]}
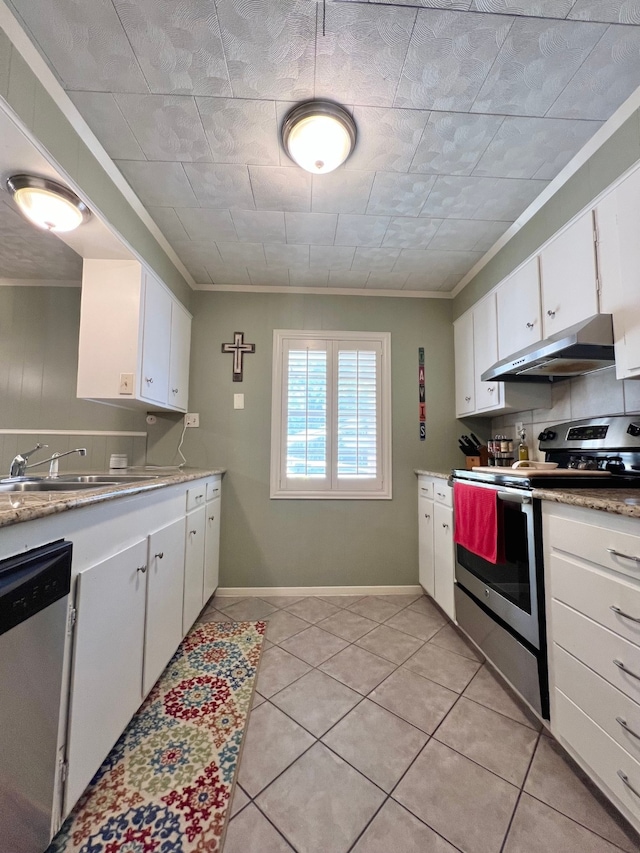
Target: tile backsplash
{"type": "Point", "coordinates": [591, 396]}
{"type": "Point", "coordinates": [99, 449]}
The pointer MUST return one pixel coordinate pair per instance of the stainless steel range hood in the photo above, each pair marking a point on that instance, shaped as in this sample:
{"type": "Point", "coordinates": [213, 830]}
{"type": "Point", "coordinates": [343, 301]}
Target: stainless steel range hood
{"type": "Point", "coordinates": [583, 348]}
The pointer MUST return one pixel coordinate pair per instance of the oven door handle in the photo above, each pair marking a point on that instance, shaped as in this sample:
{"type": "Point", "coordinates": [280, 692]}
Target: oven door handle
{"type": "Point", "coordinates": [516, 499]}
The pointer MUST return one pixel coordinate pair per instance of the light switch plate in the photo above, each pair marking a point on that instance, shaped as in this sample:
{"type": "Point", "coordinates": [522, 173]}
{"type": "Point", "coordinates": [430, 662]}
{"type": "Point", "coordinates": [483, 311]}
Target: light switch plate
{"type": "Point", "coordinates": [126, 383]}
{"type": "Point", "coordinates": [238, 401]}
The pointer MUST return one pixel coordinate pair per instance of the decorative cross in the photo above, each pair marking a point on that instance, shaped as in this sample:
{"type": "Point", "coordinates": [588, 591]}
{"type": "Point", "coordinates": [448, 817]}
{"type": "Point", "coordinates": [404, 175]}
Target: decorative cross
{"type": "Point", "coordinates": [238, 348]}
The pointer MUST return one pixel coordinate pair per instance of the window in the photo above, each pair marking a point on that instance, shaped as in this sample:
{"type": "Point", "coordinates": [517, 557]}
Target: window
{"type": "Point", "coordinates": [331, 416]}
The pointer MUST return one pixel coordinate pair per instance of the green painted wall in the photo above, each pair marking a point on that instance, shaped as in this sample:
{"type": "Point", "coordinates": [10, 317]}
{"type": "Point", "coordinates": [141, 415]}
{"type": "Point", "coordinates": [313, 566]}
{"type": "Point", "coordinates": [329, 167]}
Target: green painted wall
{"type": "Point", "coordinates": [618, 154]}
{"type": "Point", "coordinates": [308, 543]}
{"type": "Point", "coordinates": [24, 93]}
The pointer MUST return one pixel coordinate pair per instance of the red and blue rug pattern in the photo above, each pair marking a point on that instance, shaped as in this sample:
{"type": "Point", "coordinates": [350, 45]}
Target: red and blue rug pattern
{"type": "Point", "coordinates": [165, 786]}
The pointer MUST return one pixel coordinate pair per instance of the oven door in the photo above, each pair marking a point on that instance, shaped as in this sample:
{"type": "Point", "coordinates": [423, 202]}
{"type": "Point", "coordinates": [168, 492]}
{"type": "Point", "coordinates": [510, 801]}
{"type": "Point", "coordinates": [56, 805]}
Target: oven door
{"type": "Point", "coordinates": [508, 589]}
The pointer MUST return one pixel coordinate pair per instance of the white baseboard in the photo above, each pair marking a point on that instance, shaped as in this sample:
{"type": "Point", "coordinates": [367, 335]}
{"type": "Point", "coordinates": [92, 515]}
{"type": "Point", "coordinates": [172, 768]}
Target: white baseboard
{"type": "Point", "coordinates": [241, 591]}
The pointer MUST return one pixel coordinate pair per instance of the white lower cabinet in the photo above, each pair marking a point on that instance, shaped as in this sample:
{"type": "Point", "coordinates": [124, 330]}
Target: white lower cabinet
{"type": "Point", "coordinates": [106, 681]}
{"type": "Point", "coordinates": [193, 567]}
{"type": "Point", "coordinates": [435, 541]}
{"type": "Point", "coordinates": [165, 581]}
{"type": "Point", "coordinates": [426, 557]}
{"type": "Point", "coordinates": [444, 561]}
{"type": "Point", "coordinates": [212, 549]}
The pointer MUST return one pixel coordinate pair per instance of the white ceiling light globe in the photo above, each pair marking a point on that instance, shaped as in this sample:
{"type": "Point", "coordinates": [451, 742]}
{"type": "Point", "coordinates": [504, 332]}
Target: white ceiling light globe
{"type": "Point", "coordinates": [318, 136]}
{"type": "Point", "coordinates": [46, 204]}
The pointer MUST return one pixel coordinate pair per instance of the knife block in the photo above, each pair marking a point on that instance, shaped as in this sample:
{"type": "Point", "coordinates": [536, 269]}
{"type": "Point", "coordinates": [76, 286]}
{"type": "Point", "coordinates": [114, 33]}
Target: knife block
{"type": "Point", "coordinates": [477, 461]}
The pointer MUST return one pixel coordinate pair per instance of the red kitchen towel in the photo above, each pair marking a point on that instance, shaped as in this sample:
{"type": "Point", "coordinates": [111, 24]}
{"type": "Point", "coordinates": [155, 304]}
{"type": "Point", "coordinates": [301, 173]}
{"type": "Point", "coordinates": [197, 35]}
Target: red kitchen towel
{"type": "Point", "coordinates": [478, 521]}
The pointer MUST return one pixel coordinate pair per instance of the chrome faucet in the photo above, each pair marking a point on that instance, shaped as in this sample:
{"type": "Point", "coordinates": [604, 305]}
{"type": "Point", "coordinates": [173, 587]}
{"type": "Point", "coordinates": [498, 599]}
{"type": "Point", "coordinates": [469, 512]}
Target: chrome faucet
{"type": "Point", "coordinates": [19, 463]}
{"type": "Point", "coordinates": [53, 467]}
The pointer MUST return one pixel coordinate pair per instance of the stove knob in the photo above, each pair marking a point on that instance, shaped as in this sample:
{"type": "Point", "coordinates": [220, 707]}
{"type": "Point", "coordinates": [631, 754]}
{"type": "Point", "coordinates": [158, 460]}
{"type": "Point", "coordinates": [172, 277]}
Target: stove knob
{"type": "Point", "coordinates": [547, 435]}
{"type": "Point", "coordinates": [634, 429]}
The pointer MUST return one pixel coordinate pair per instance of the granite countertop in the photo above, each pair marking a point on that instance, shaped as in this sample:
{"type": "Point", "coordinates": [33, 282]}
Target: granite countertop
{"type": "Point", "coordinates": [618, 501]}
{"type": "Point", "coordinates": [438, 474]}
{"type": "Point", "coordinates": [27, 506]}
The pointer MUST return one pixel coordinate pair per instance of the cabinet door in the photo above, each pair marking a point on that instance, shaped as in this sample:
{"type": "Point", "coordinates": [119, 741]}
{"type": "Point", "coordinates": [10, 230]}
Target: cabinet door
{"type": "Point", "coordinates": [106, 676]}
{"type": "Point", "coordinates": [463, 347]}
{"type": "Point", "coordinates": [485, 353]}
{"type": "Point", "coordinates": [444, 560]}
{"type": "Point", "coordinates": [568, 277]}
{"type": "Point", "coordinates": [156, 337]}
{"type": "Point", "coordinates": [179, 362]}
{"type": "Point", "coordinates": [425, 545]}
{"type": "Point", "coordinates": [212, 549]}
{"type": "Point", "coordinates": [518, 303]}
{"type": "Point", "coordinates": [193, 567]}
{"type": "Point", "coordinates": [165, 589]}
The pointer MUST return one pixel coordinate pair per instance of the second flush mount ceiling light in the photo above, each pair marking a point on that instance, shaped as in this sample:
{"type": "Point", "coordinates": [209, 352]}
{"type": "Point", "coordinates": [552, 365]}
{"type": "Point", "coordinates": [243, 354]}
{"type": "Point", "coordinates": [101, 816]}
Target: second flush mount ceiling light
{"type": "Point", "coordinates": [318, 135]}
{"type": "Point", "coordinates": [48, 204]}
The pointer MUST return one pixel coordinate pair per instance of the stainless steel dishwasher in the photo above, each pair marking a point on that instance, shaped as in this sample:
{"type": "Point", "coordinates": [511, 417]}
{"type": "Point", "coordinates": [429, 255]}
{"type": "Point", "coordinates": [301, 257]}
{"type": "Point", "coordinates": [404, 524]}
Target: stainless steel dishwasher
{"type": "Point", "coordinates": [34, 599]}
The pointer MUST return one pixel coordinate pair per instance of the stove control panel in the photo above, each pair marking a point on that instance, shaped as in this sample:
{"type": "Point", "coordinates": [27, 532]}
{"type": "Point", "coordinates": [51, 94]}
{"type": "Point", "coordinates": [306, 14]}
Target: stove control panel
{"type": "Point", "coordinates": [634, 429]}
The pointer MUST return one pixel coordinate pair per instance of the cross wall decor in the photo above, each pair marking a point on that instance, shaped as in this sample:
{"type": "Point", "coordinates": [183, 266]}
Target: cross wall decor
{"type": "Point", "coordinates": [238, 348]}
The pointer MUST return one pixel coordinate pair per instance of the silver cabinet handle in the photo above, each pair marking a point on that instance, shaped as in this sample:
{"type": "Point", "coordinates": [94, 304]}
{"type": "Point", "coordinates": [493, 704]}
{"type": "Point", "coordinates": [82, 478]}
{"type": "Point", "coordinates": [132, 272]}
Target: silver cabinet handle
{"type": "Point", "coordinates": [467, 399]}
{"type": "Point", "coordinates": [621, 666]}
{"type": "Point", "coordinates": [615, 553]}
{"type": "Point", "coordinates": [624, 615]}
{"type": "Point", "coordinates": [627, 727]}
{"type": "Point", "coordinates": [626, 781]}
{"type": "Point", "coordinates": [426, 515]}
{"type": "Point", "coordinates": [425, 490]}
{"type": "Point", "coordinates": [199, 497]}
{"type": "Point", "coordinates": [212, 518]}
{"type": "Point", "coordinates": [159, 555]}
{"type": "Point", "coordinates": [491, 389]}
{"type": "Point", "coordinates": [440, 494]}
{"type": "Point", "coordinates": [192, 532]}
{"type": "Point", "coordinates": [174, 390]}
{"type": "Point", "coordinates": [142, 569]}
{"type": "Point", "coordinates": [530, 325]}
{"type": "Point", "coordinates": [149, 379]}
{"type": "Point", "coordinates": [446, 526]}
{"type": "Point", "coordinates": [551, 313]}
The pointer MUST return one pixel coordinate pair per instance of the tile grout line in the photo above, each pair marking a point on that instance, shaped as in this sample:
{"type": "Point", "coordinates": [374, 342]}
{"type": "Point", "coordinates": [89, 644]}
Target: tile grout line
{"type": "Point", "coordinates": [520, 792]}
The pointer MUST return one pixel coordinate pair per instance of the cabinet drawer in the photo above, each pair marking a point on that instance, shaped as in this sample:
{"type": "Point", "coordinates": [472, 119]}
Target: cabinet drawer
{"type": "Point", "coordinates": [600, 752]}
{"type": "Point", "coordinates": [443, 493]}
{"type": "Point", "coordinates": [599, 700]}
{"type": "Point", "coordinates": [196, 496]}
{"type": "Point", "coordinates": [425, 487]}
{"type": "Point", "coordinates": [213, 489]}
{"type": "Point", "coordinates": [594, 592]}
{"type": "Point", "coordinates": [598, 648]}
{"type": "Point", "coordinates": [596, 544]}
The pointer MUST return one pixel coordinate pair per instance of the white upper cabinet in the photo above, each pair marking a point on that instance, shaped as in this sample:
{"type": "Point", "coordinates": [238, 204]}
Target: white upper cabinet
{"type": "Point", "coordinates": [134, 338]}
{"type": "Point", "coordinates": [519, 310]}
{"type": "Point", "coordinates": [485, 352]}
{"type": "Point", "coordinates": [465, 379]}
{"type": "Point", "coordinates": [568, 277]}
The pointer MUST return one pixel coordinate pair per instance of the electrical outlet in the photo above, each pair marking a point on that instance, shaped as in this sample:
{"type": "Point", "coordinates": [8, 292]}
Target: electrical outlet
{"type": "Point", "coordinates": [126, 383]}
{"type": "Point", "coordinates": [192, 419]}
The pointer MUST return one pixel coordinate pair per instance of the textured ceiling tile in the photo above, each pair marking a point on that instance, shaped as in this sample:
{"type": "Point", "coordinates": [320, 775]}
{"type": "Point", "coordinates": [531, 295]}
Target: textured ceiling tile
{"type": "Point", "coordinates": [346, 279]}
{"type": "Point", "coordinates": [395, 193]}
{"type": "Point", "coordinates": [220, 185]}
{"type": "Point", "coordinates": [449, 56]}
{"type": "Point", "coordinates": [243, 254]}
{"type": "Point", "coordinates": [378, 260]}
{"type": "Point", "coordinates": [221, 274]}
{"type": "Point", "coordinates": [160, 184]}
{"type": "Point", "coordinates": [434, 267]}
{"type": "Point", "coordinates": [282, 108]}
{"type": "Point", "coordinates": [452, 143]}
{"type": "Point", "coordinates": [205, 253]}
{"type": "Point", "coordinates": [308, 278]}
{"type": "Point", "coordinates": [467, 235]}
{"type": "Point", "coordinates": [316, 229]}
{"type": "Point", "coordinates": [360, 56]}
{"type": "Point", "coordinates": [607, 78]}
{"type": "Point", "coordinates": [279, 188]}
{"type": "Point", "coordinates": [177, 44]}
{"type": "Point", "coordinates": [240, 131]}
{"type": "Point", "coordinates": [284, 255]}
{"type": "Point", "coordinates": [480, 198]}
{"type": "Point", "coordinates": [270, 46]}
{"type": "Point", "coordinates": [411, 260]}
{"type": "Point", "coordinates": [387, 138]}
{"type": "Point", "coordinates": [427, 280]}
{"type": "Point", "coordinates": [534, 147]}
{"type": "Point", "coordinates": [198, 272]}
{"type": "Point", "coordinates": [533, 8]}
{"type": "Point", "coordinates": [167, 127]}
{"type": "Point", "coordinates": [85, 43]}
{"type": "Point", "coordinates": [102, 114]}
{"type": "Point", "coordinates": [360, 230]}
{"type": "Point", "coordinates": [408, 233]}
{"type": "Point", "coordinates": [342, 192]}
{"type": "Point", "coordinates": [207, 224]}
{"type": "Point", "coordinates": [613, 11]}
{"type": "Point", "coordinates": [269, 277]}
{"type": "Point", "coordinates": [331, 257]}
{"type": "Point", "coordinates": [535, 63]}
{"type": "Point", "coordinates": [263, 226]}
{"type": "Point", "coordinates": [168, 221]}
{"type": "Point", "coordinates": [386, 280]}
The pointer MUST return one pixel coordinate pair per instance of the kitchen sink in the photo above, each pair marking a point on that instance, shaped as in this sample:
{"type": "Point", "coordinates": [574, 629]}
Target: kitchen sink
{"type": "Point", "coordinates": [105, 479]}
{"type": "Point", "coordinates": [72, 483]}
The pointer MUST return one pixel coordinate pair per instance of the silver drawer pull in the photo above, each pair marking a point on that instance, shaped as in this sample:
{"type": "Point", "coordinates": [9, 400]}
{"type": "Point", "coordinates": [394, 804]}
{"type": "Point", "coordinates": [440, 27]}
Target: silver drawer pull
{"type": "Point", "coordinates": [624, 615]}
{"type": "Point", "coordinates": [426, 515]}
{"type": "Point", "coordinates": [626, 781]}
{"type": "Point", "coordinates": [529, 325]}
{"type": "Point", "coordinates": [551, 313]}
{"type": "Point", "coordinates": [627, 727]}
{"type": "Point", "coordinates": [621, 666]}
{"type": "Point", "coordinates": [446, 526]}
{"type": "Point", "coordinates": [615, 553]}
{"type": "Point", "coordinates": [192, 532]}
{"type": "Point", "coordinates": [467, 399]}
{"type": "Point", "coordinates": [149, 379]}
{"type": "Point", "coordinates": [212, 518]}
{"type": "Point", "coordinates": [440, 494]}
{"type": "Point", "coordinates": [159, 555]}
{"type": "Point", "coordinates": [142, 569]}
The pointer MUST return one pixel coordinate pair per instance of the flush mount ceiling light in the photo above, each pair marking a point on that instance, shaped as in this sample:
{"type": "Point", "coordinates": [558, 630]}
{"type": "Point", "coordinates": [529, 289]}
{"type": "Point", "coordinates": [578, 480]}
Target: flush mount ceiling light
{"type": "Point", "coordinates": [47, 204]}
{"type": "Point", "coordinates": [318, 136]}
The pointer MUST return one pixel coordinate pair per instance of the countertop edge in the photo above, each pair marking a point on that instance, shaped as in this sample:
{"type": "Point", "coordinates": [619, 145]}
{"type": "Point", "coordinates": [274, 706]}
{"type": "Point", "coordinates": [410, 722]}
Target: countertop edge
{"type": "Point", "coordinates": [605, 500]}
{"type": "Point", "coordinates": [438, 474]}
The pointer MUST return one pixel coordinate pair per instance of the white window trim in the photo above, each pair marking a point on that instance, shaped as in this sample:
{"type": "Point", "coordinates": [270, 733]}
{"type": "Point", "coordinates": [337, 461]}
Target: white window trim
{"type": "Point", "coordinates": [278, 383]}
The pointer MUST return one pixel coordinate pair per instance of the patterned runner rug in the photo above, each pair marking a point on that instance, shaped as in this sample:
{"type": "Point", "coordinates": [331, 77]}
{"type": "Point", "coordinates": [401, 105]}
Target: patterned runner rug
{"type": "Point", "coordinates": [165, 786]}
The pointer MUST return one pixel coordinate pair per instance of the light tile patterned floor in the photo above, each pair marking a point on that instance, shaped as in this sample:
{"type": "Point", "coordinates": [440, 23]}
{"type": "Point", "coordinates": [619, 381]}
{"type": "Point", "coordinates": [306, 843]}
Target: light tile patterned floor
{"type": "Point", "coordinates": [377, 729]}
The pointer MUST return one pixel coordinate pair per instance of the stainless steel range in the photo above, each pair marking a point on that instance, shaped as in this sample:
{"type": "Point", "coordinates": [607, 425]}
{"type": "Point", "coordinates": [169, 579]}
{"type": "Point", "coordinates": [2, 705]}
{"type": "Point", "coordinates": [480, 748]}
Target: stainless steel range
{"type": "Point", "coordinates": [501, 605]}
